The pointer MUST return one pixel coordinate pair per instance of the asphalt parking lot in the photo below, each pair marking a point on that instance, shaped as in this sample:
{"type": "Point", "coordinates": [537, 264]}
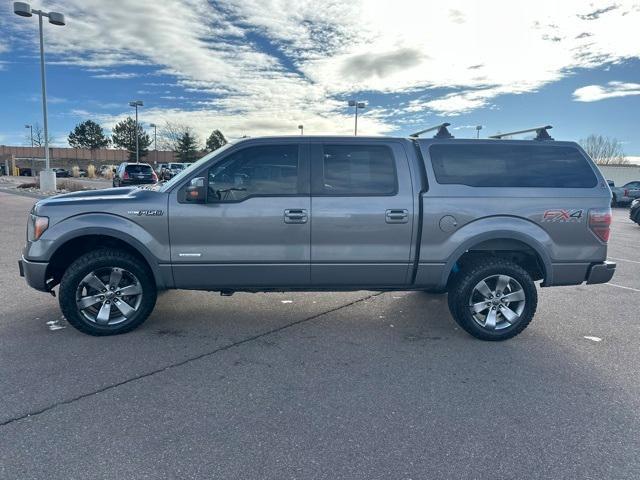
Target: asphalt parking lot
{"type": "Point", "coordinates": [318, 385]}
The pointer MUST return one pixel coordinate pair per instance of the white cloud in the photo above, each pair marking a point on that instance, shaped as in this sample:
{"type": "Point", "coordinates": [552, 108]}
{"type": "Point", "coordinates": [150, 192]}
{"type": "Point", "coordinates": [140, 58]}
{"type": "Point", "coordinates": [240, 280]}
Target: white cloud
{"type": "Point", "coordinates": [268, 65]}
{"type": "Point", "coordinates": [116, 75]}
{"type": "Point", "coordinates": [593, 93]}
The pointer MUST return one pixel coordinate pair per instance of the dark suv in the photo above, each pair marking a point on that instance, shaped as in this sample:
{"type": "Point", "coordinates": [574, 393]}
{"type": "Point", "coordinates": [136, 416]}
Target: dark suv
{"type": "Point", "coordinates": [134, 174]}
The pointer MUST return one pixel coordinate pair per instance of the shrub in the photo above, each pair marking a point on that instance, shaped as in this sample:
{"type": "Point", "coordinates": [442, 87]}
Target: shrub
{"type": "Point", "coordinates": [91, 171]}
{"type": "Point", "coordinates": [71, 186]}
{"type": "Point", "coordinates": [75, 171]}
{"type": "Point", "coordinates": [108, 174]}
{"type": "Point", "coordinates": [29, 185]}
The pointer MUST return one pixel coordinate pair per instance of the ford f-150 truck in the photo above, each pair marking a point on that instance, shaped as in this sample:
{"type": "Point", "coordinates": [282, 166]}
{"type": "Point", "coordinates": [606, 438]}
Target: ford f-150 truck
{"type": "Point", "coordinates": [480, 219]}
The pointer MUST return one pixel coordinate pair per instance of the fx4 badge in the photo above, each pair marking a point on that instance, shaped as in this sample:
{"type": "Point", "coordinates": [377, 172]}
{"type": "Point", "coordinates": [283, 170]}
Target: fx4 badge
{"type": "Point", "coordinates": [147, 213]}
{"type": "Point", "coordinates": [560, 215]}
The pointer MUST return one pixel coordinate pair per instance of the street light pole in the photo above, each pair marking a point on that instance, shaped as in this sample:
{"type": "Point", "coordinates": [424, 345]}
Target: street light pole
{"type": "Point", "coordinates": [155, 142]}
{"type": "Point", "coordinates": [136, 104]}
{"type": "Point", "coordinates": [301, 127]}
{"type": "Point", "coordinates": [355, 103]}
{"type": "Point", "coordinates": [30, 127]}
{"type": "Point", "coordinates": [48, 180]}
{"type": "Point", "coordinates": [478, 128]}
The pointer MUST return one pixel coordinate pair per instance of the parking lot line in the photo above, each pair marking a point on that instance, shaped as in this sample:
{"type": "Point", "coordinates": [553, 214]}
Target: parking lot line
{"type": "Point", "coordinates": [622, 286]}
{"type": "Point", "coordinates": [624, 260]}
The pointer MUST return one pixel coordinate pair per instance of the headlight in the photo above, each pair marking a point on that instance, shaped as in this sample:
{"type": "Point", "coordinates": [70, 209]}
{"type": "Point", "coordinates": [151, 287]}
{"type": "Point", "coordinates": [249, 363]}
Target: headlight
{"type": "Point", "coordinates": [635, 202]}
{"type": "Point", "coordinates": [37, 226]}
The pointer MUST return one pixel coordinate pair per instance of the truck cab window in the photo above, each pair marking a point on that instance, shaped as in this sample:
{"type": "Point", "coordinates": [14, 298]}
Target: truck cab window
{"type": "Point", "coordinates": [358, 170]}
{"type": "Point", "coordinates": [255, 171]}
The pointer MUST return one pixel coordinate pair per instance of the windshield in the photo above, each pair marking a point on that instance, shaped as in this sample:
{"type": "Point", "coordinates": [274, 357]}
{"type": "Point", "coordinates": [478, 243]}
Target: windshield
{"type": "Point", "coordinates": [194, 166]}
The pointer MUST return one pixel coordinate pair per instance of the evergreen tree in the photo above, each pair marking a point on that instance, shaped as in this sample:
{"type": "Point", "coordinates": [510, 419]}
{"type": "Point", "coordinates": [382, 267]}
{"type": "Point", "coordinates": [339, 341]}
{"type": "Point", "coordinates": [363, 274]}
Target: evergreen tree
{"type": "Point", "coordinates": [215, 141]}
{"type": "Point", "coordinates": [124, 136]}
{"type": "Point", "coordinates": [89, 135]}
{"type": "Point", "coordinates": [187, 147]}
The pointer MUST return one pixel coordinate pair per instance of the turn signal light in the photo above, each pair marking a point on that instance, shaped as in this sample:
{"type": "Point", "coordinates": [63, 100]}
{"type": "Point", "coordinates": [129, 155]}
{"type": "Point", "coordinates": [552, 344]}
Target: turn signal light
{"type": "Point", "coordinates": [40, 224]}
{"type": "Point", "coordinates": [600, 223]}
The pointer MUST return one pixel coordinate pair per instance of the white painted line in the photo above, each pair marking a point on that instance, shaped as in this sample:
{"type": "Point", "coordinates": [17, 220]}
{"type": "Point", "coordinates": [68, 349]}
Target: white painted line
{"type": "Point", "coordinates": [622, 286]}
{"type": "Point", "coordinates": [624, 260]}
{"type": "Point", "coordinates": [286, 301]}
{"type": "Point", "coordinates": [593, 339]}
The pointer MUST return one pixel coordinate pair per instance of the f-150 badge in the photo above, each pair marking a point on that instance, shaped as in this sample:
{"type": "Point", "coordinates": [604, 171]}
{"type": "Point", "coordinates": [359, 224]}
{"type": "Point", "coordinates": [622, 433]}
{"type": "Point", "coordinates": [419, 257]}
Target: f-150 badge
{"type": "Point", "coordinates": [147, 213]}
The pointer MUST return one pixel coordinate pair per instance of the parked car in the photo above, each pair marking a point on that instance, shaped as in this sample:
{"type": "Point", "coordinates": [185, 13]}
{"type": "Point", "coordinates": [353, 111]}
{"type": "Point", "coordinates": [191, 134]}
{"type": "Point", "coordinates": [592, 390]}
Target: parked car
{"type": "Point", "coordinates": [172, 169]}
{"type": "Point", "coordinates": [159, 168]}
{"type": "Point", "coordinates": [26, 172]}
{"type": "Point", "coordinates": [480, 219]}
{"type": "Point", "coordinates": [61, 172]}
{"type": "Point", "coordinates": [82, 172]}
{"type": "Point", "coordinates": [634, 211]}
{"type": "Point", "coordinates": [622, 196]}
{"type": "Point", "coordinates": [134, 174]}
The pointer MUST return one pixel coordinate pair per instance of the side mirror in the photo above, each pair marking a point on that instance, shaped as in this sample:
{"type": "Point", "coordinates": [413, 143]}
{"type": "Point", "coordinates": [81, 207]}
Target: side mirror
{"type": "Point", "coordinates": [196, 191]}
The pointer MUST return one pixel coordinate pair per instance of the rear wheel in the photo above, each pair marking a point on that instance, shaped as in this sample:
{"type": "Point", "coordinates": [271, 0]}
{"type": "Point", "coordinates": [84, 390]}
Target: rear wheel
{"type": "Point", "coordinates": [107, 292]}
{"type": "Point", "coordinates": [614, 201]}
{"type": "Point", "coordinates": [493, 299]}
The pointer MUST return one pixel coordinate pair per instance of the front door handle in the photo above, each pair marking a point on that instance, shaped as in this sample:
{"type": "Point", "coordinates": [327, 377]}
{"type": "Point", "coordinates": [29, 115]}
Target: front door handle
{"type": "Point", "coordinates": [295, 215]}
{"type": "Point", "coordinates": [396, 216]}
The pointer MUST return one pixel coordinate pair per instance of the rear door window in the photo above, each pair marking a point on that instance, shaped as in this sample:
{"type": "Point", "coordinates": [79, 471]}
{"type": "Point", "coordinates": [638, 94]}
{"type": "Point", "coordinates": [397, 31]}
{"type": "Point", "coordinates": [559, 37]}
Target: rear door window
{"type": "Point", "coordinates": [357, 170]}
{"type": "Point", "coordinates": [508, 165]}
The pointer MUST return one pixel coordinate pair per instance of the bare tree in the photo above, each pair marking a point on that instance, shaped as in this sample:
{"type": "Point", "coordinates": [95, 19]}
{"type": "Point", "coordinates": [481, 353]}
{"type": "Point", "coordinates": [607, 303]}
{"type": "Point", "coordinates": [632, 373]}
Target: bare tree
{"type": "Point", "coordinates": [604, 150]}
{"type": "Point", "coordinates": [171, 134]}
{"type": "Point", "coordinates": [38, 136]}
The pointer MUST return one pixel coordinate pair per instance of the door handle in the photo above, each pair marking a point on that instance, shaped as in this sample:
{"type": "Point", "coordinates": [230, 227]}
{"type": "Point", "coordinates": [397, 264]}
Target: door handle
{"type": "Point", "coordinates": [295, 215]}
{"type": "Point", "coordinates": [397, 216]}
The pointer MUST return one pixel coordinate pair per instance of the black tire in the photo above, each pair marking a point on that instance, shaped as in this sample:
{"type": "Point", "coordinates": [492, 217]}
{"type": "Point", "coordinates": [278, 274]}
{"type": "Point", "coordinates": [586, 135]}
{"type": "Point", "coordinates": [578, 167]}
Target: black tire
{"type": "Point", "coordinates": [614, 201]}
{"type": "Point", "coordinates": [101, 259]}
{"type": "Point", "coordinates": [462, 288]}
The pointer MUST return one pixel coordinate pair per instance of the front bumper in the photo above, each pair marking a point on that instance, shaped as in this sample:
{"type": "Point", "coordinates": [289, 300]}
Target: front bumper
{"type": "Point", "coordinates": [35, 273]}
{"type": "Point", "coordinates": [601, 272]}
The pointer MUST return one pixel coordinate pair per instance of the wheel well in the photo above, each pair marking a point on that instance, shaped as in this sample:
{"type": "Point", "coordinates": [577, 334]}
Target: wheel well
{"type": "Point", "coordinates": [510, 249]}
{"type": "Point", "coordinates": [68, 252]}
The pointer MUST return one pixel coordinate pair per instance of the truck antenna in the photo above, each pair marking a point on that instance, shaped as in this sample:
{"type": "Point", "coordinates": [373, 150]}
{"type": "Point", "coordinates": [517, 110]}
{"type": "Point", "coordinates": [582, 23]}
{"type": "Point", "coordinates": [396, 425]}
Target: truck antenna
{"type": "Point", "coordinates": [442, 131]}
{"type": "Point", "coordinates": [541, 133]}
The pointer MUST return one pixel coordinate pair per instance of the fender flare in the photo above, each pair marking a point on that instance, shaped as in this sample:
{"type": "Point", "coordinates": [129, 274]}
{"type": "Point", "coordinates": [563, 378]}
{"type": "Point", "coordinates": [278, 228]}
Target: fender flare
{"type": "Point", "coordinates": [535, 244]}
{"type": "Point", "coordinates": [85, 225]}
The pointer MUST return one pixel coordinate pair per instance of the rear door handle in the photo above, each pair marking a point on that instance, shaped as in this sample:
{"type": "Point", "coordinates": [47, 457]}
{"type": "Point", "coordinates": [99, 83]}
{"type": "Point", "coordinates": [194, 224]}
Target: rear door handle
{"type": "Point", "coordinates": [295, 215]}
{"type": "Point", "coordinates": [397, 216]}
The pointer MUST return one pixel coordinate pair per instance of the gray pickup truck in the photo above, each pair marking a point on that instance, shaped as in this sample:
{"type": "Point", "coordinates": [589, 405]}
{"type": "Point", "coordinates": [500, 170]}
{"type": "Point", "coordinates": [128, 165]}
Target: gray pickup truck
{"type": "Point", "coordinates": [480, 219]}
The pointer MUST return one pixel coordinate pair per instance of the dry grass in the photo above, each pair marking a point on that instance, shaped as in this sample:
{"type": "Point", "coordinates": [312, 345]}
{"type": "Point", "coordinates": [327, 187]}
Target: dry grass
{"type": "Point", "coordinates": [75, 171]}
{"type": "Point", "coordinates": [67, 185]}
{"type": "Point", "coordinates": [91, 171]}
{"type": "Point", "coordinates": [109, 173]}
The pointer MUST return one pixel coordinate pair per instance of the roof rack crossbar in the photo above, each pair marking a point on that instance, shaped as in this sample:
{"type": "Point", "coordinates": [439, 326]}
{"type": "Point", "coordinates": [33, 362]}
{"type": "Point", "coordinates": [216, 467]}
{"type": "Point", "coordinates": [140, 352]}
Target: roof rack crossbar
{"type": "Point", "coordinates": [442, 131]}
{"type": "Point", "coordinates": [541, 133]}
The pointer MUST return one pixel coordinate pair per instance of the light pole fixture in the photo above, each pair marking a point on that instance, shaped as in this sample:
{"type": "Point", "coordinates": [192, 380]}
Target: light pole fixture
{"type": "Point", "coordinates": [30, 127]}
{"type": "Point", "coordinates": [155, 142]}
{"type": "Point", "coordinates": [478, 128]}
{"type": "Point", "coordinates": [136, 104]}
{"type": "Point", "coordinates": [301, 128]}
{"type": "Point", "coordinates": [355, 103]}
{"type": "Point", "coordinates": [23, 9]}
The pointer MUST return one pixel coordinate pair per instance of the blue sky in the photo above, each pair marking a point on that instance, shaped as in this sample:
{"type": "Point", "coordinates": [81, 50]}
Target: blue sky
{"type": "Point", "coordinates": [255, 67]}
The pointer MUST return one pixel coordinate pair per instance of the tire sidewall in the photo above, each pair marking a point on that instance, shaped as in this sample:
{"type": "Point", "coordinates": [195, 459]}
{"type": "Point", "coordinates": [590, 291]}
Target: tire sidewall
{"type": "Point", "coordinates": [104, 259]}
{"type": "Point", "coordinates": [461, 298]}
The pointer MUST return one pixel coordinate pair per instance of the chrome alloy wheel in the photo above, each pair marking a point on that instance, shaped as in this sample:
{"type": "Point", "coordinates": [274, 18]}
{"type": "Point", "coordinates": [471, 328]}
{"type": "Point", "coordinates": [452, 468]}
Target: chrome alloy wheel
{"type": "Point", "coordinates": [109, 296]}
{"type": "Point", "coordinates": [497, 302]}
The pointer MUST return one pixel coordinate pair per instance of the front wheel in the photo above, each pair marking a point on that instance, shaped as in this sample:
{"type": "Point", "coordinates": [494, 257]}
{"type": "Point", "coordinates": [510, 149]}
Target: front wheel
{"type": "Point", "coordinates": [107, 292]}
{"type": "Point", "coordinates": [493, 299]}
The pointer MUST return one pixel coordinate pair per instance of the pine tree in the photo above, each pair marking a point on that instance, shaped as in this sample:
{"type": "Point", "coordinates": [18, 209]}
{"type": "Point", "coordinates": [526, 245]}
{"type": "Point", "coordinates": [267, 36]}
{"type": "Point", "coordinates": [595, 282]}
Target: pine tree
{"type": "Point", "coordinates": [88, 134]}
{"type": "Point", "coordinates": [124, 136]}
{"type": "Point", "coordinates": [215, 141]}
{"type": "Point", "coordinates": [187, 147]}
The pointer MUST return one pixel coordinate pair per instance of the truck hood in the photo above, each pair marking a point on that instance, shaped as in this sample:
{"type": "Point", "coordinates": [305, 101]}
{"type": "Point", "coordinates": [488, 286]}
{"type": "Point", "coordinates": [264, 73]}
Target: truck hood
{"type": "Point", "coordinates": [98, 200]}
